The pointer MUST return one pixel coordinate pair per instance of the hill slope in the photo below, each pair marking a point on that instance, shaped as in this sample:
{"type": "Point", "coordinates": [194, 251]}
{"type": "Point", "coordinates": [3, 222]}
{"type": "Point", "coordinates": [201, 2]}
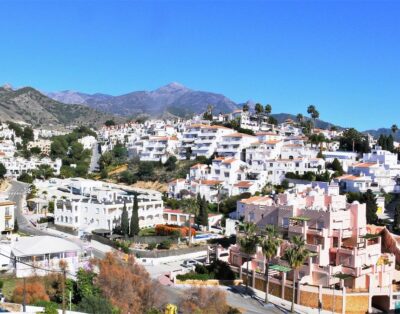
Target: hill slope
{"type": "Point", "coordinates": [173, 98]}
{"type": "Point", "coordinates": [30, 106]}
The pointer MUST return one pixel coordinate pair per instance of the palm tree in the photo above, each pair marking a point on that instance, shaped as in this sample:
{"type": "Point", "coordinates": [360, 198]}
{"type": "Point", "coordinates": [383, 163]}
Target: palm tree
{"type": "Point", "coordinates": [296, 255]}
{"type": "Point", "coordinates": [190, 206]}
{"type": "Point", "coordinates": [299, 118]}
{"type": "Point", "coordinates": [313, 112]}
{"type": "Point", "coordinates": [270, 246]}
{"type": "Point", "coordinates": [258, 108]}
{"type": "Point", "coordinates": [248, 245]}
{"type": "Point", "coordinates": [246, 107]}
{"type": "Point", "coordinates": [268, 109]}
{"type": "Point", "coordinates": [394, 129]}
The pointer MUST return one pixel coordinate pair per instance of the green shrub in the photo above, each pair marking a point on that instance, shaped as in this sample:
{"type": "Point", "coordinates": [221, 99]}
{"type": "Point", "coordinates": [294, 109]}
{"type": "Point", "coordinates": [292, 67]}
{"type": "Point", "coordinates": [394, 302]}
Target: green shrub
{"type": "Point", "coordinates": [165, 245]}
{"type": "Point", "coordinates": [194, 276]}
{"type": "Point", "coordinates": [151, 246]}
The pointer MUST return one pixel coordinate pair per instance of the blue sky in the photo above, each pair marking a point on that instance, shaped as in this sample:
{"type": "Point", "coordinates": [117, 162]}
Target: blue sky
{"type": "Point", "coordinates": [341, 56]}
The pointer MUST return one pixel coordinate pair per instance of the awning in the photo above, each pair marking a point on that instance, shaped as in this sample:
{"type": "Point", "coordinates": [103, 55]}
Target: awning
{"type": "Point", "coordinates": [281, 268]}
{"type": "Point", "coordinates": [300, 218]}
{"type": "Point", "coordinates": [370, 236]}
{"type": "Point", "coordinates": [342, 276]}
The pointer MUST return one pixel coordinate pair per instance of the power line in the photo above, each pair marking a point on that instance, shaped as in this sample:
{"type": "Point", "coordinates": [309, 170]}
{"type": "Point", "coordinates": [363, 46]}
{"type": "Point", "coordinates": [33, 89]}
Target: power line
{"type": "Point", "coordinates": [35, 266]}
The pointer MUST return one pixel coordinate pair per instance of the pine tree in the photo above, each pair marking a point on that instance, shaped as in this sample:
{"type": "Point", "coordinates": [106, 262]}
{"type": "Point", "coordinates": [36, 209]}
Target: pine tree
{"type": "Point", "coordinates": [134, 228]}
{"type": "Point", "coordinates": [124, 221]}
{"type": "Point", "coordinates": [337, 166]}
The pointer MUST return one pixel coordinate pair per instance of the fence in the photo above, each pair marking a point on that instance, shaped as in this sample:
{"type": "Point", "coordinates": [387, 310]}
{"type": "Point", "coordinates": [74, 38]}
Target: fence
{"type": "Point", "coordinates": [168, 253]}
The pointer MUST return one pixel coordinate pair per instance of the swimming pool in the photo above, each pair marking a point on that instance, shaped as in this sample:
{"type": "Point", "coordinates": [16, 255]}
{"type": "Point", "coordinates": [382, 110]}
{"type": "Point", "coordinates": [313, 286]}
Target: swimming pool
{"type": "Point", "coordinates": [205, 236]}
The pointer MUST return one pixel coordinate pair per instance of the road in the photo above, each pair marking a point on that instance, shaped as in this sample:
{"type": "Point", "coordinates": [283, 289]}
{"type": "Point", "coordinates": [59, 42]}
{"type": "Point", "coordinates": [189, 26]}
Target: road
{"type": "Point", "coordinates": [17, 193]}
{"type": "Point", "coordinates": [94, 160]}
{"type": "Point", "coordinates": [176, 293]}
{"type": "Point", "coordinates": [248, 305]}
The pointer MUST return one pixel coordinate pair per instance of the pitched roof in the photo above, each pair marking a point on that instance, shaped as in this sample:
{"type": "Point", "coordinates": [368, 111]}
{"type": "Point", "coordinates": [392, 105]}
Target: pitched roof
{"type": "Point", "coordinates": [210, 182]}
{"type": "Point", "coordinates": [30, 246]}
{"type": "Point", "coordinates": [365, 164]}
{"type": "Point", "coordinates": [244, 184]}
{"type": "Point", "coordinates": [198, 165]}
{"type": "Point", "coordinates": [237, 135]}
{"type": "Point", "coordinates": [255, 200]}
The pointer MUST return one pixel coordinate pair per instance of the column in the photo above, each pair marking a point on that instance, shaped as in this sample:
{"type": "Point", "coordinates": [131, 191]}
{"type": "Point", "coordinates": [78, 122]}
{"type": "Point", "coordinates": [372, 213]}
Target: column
{"type": "Point", "coordinates": [343, 300]}
{"type": "Point", "coordinates": [283, 284]}
{"type": "Point", "coordinates": [253, 278]}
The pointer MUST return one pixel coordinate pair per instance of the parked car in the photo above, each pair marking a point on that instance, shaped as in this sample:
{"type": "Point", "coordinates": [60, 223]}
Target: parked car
{"type": "Point", "coordinates": [190, 263]}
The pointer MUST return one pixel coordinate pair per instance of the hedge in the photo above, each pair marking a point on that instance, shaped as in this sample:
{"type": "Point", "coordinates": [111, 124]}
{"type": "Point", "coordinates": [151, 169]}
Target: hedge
{"type": "Point", "coordinates": [167, 230]}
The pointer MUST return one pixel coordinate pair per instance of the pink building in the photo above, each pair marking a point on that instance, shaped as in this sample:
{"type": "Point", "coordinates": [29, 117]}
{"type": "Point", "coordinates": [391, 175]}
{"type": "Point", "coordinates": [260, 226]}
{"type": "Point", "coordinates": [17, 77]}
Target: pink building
{"type": "Point", "coordinates": [336, 235]}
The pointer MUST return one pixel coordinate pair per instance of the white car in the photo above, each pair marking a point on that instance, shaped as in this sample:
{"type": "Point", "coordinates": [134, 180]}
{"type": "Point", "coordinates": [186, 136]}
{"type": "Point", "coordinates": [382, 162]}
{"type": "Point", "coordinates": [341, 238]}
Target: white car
{"type": "Point", "coordinates": [190, 263]}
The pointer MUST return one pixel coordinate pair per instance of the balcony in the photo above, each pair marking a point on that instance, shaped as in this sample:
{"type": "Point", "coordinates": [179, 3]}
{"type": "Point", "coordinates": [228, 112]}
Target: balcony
{"type": "Point", "coordinates": [313, 247]}
{"type": "Point", "coordinates": [296, 229]}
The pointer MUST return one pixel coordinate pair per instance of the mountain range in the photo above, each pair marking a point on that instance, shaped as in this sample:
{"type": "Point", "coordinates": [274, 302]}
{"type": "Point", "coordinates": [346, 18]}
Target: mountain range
{"type": "Point", "coordinates": [173, 98]}
{"type": "Point", "coordinates": [30, 106]}
{"type": "Point", "coordinates": [76, 108]}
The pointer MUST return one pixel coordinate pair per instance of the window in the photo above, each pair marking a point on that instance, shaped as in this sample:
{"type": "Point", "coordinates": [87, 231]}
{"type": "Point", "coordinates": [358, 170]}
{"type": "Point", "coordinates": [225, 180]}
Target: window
{"type": "Point", "coordinates": [76, 219]}
{"type": "Point", "coordinates": [285, 222]}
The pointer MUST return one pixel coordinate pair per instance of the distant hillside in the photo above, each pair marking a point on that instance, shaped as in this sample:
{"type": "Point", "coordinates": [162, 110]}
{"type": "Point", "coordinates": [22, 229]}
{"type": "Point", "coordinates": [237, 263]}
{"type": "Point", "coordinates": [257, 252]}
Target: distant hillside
{"type": "Point", "coordinates": [30, 106]}
{"type": "Point", "coordinates": [281, 117]}
{"type": "Point", "coordinates": [173, 98]}
{"type": "Point", "coordinates": [384, 131]}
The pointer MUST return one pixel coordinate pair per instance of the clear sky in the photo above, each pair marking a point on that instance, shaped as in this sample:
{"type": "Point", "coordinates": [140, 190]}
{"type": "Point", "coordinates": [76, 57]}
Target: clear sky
{"type": "Point", "coordinates": [343, 56]}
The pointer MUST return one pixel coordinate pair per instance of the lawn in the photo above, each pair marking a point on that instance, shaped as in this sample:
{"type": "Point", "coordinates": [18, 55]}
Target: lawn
{"type": "Point", "coordinates": [147, 232]}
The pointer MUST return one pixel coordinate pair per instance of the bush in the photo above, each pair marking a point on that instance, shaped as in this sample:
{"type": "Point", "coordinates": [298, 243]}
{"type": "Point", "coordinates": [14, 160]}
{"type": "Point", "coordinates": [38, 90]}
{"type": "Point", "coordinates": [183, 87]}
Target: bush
{"type": "Point", "coordinates": [168, 230]}
{"type": "Point", "coordinates": [219, 270]}
{"type": "Point", "coordinates": [124, 246]}
{"type": "Point", "coordinates": [194, 276]}
{"type": "Point", "coordinates": [151, 246]}
{"type": "Point", "coordinates": [165, 245]}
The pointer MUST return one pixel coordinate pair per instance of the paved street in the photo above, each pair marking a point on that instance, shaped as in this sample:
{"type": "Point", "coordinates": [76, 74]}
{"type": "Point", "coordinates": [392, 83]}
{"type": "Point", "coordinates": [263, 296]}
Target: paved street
{"type": "Point", "coordinates": [94, 160]}
{"type": "Point", "coordinates": [175, 293]}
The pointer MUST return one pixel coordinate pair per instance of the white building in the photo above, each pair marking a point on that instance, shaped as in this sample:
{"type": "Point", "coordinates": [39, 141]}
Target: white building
{"type": "Point", "coordinates": [17, 165]}
{"type": "Point", "coordinates": [44, 252]}
{"type": "Point", "coordinates": [88, 141]}
{"type": "Point", "coordinates": [159, 148]}
{"type": "Point", "coordinates": [235, 144]}
{"type": "Point", "coordinates": [7, 210]}
{"type": "Point", "coordinates": [207, 140]}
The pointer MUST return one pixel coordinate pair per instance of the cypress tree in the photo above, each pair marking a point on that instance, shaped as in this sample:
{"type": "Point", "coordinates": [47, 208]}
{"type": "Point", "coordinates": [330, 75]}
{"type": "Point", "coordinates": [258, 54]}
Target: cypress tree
{"type": "Point", "coordinates": [125, 221]}
{"type": "Point", "coordinates": [134, 228]}
{"type": "Point", "coordinates": [197, 215]}
{"type": "Point", "coordinates": [204, 212]}
{"type": "Point", "coordinates": [370, 201]}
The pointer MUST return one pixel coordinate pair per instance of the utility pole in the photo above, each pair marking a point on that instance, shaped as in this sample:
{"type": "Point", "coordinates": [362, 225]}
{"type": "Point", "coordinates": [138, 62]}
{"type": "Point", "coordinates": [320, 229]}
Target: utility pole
{"type": "Point", "coordinates": [24, 298]}
{"type": "Point", "coordinates": [63, 290]}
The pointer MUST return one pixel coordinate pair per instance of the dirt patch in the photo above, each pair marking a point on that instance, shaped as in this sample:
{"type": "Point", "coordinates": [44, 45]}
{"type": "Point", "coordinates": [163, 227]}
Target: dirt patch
{"type": "Point", "coordinates": [152, 185]}
{"type": "Point", "coordinates": [4, 185]}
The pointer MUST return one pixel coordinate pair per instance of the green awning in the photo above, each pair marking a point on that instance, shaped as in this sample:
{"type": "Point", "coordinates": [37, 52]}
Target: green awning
{"type": "Point", "coordinates": [281, 268]}
{"type": "Point", "coordinates": [370, 236]}
{"type": "Point", "coordinates": [311, 254]}
{"type": "Point", "coordinates": [342, 276]}
{"type": "Point", "coordinates": [300, 218]}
